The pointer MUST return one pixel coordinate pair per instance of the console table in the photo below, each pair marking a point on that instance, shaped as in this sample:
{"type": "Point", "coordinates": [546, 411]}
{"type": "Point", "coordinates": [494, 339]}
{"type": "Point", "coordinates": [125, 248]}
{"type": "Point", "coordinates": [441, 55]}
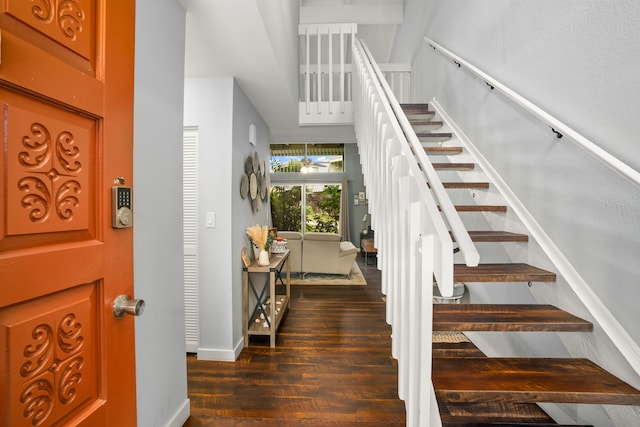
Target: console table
{"type": "Point", "coordinates": [269, 308]}
{"type": "Point", "coordinates": [366, 246]}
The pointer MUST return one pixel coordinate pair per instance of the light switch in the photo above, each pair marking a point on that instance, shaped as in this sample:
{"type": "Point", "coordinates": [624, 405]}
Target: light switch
{"type": "Point", "coordinates": [211, 219]}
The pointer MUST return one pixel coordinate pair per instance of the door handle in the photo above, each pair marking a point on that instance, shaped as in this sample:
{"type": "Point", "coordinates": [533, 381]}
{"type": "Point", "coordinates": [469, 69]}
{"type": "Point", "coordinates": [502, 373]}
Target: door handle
{"type": "Point", "coordinates": [124, 305]}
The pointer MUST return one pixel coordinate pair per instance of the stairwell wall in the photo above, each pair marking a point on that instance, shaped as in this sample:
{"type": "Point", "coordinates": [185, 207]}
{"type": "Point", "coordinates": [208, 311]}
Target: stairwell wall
{"type": "Point", "coordinates": [577, 61]}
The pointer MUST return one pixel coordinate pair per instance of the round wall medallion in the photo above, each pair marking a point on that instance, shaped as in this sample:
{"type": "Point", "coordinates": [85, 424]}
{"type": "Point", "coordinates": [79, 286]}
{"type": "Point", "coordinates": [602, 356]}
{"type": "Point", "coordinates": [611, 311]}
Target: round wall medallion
{"type": "Point", "coordinates": [262, 186]}
{"type": "Point", "coordinates": [244, 186]}
{"type": "Point", "coordinates": [253, 186]}
{"type": "Point", "coordinates": [256, 162]}
{"type": "Point", "coordinates": [256, 204]}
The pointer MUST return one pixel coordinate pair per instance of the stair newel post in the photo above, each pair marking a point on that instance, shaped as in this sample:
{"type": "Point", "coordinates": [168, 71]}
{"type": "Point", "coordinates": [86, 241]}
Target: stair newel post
{"type": "Point", "coordinates": [429, 413]}
{"type": "Point", "coordinates": [395, 282]}
{"type": "Point", "coordinates": [404, 310]}
{"type": "Point", "coordinates": [386, 233]}
{"type": "Point", "coordinates": [415, 305]}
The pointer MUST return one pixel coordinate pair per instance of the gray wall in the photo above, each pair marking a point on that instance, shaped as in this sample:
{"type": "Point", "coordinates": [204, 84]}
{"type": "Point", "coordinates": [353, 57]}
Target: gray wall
{"type": "Point", "coordinates": [578, 61]}
{"type": "Point", "coordinates": [243, 216]}
{"type": "Point", "coordinates": [222, 114]}
{"type": "Point", "coordinates": [160, 356]}
{"type": "Point", "coordinates": [561, 57]}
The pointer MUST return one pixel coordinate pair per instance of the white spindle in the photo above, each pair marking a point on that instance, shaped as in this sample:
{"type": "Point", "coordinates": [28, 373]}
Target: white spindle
{"type": "Point", "coordinates": [307, 90]}
{"type": "Point", "coordinates": [330, 72]}
{"type": "Point", "coordinates": [319, 75]}
{"type": "Point", "coordinates": [342, 61]}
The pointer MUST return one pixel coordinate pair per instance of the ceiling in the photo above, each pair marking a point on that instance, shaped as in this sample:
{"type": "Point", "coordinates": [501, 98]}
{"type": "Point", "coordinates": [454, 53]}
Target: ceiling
{"type": "Point", "coordinates": [255, 41]}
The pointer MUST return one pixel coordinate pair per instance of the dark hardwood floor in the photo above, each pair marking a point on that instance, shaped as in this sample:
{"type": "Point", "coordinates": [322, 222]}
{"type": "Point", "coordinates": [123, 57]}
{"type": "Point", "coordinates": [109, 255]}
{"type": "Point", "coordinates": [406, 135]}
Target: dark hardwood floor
{"type": "Point", "coordinates": [332, 366]}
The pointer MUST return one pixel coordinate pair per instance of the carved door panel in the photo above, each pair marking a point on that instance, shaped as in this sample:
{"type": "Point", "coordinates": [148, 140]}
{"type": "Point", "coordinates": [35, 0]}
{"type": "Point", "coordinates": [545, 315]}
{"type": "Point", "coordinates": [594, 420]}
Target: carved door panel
{"type": "Point", "coordinates": [66, 106]}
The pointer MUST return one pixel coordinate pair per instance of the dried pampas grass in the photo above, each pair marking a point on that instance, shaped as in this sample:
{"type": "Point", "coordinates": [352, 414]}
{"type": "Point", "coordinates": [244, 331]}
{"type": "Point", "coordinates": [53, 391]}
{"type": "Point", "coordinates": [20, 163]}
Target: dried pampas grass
{"type": "Point", "coordinates": [260, 236]}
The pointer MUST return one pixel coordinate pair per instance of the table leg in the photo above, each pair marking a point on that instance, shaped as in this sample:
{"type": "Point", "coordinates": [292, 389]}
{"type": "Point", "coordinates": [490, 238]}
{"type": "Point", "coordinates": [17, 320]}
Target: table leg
{"type": "Point", "coordinates": [288, 284]}
{"type": "Point", "coordinates": [245, 303]}
{"type": "Point", "coordinates": [272, 314]}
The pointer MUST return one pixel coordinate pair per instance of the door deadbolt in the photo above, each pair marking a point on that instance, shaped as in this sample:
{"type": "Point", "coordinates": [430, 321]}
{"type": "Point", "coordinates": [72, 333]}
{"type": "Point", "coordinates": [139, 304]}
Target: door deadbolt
{"type": "Point", "coordinates": [121, 206]}
{"type": "Point", "coordinates": [123, 305]}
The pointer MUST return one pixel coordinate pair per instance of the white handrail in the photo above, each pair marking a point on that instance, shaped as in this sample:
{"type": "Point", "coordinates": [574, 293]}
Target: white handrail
{"type": "Point", "coordinates": [608, 159]}
{"type": "Point", "coordinates": [413, 242]}
{"type": "Point", "coordinates": [466, 245]}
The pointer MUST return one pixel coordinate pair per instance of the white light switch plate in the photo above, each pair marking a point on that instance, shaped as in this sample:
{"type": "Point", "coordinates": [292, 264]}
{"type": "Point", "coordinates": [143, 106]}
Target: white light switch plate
{"type": "Point", "coordinates": [211, 219]}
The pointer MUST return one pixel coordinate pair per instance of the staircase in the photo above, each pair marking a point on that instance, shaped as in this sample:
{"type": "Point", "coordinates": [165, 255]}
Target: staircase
{"type": "Point", "coordinates": [471, 388]}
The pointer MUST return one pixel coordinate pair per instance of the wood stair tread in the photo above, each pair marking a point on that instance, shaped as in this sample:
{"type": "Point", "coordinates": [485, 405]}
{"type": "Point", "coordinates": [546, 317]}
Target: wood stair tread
{"type": "Point", "coordinates": [433, 136]}
{"type": "Point", "coordinates": [480, 208]}
{"type": "Point", "coordinates": [419, 117]}
{"type": "Point", "coordinates": [454, 166]}
{"type": "Point", "coordinates": [427, 122]}
{"type": "Point", "coordinates": [484, 413]}
{"type": "Point", "coordinates": [506, 317]}
{"type": "Point", "coordinates": [460, 349]}
{"type": "Point", "coordinates": [415, 108]}
{"type": "Point", "coordinates": [443, 150]}
{"type": "Point", "coordinates": [495, 236]}
{"type": "Point", "coordinates": [509, 272]}
{"type": "Point", "coordinates": [464, 185]}
{"type": "Point", "coordinates": [508, 379]}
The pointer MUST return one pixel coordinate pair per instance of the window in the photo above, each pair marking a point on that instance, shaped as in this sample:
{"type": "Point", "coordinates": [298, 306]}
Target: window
{"type": "Point", "coordinates": [307, 158]}
{"type": "Point", "coordinates": [318, 210]}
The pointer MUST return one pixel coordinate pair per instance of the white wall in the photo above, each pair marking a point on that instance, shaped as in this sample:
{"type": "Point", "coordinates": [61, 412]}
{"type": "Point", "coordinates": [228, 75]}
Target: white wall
{"type": "Point", "coordinates": [160, 356]}
{"type": "Point", "coordinates": [222, 114]}
{"type": "Point", "coordinates": [579, 62]}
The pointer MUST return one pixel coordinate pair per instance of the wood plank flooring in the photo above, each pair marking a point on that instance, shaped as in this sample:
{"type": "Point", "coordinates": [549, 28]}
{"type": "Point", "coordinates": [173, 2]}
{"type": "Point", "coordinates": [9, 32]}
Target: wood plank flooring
{"type": "Point", "coordinates": [332, 366]}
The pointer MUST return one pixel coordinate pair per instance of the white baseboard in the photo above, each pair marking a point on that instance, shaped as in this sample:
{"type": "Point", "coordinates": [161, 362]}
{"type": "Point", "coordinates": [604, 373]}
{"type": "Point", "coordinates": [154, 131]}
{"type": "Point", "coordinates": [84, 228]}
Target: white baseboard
{"type": "Point", "coordinates": [216, 355]}
{"type": "Point", "coordinates": [181, 415]}
{"type": "Point", "coordinates": [221, 355]}
{"type": "Point", "coordinates": [238, 348]}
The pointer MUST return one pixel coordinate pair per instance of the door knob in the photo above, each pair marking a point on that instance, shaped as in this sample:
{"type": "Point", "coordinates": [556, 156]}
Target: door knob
{"type": "Point", "coordinates": [123, 305]}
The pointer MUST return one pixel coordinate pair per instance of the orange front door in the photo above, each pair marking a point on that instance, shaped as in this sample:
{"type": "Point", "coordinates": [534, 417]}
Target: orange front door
{"type": "Point", "coordinates": [66, 107]}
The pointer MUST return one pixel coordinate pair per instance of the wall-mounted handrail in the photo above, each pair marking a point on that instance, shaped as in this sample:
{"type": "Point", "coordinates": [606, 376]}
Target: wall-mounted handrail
{"type": "Point", "coordinates": [558, 127]}
{"type": "Point", "coordinates": [466, 245]}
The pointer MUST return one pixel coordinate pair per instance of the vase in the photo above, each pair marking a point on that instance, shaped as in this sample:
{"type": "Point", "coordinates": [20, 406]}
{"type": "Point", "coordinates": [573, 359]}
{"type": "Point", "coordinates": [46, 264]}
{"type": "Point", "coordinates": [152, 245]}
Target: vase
{"type": "Point", "coordinates": [263, 257]}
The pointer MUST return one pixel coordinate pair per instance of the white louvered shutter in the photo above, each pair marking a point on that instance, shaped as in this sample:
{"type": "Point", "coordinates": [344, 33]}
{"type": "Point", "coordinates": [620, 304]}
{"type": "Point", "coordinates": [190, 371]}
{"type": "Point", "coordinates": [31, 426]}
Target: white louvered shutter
{"type": "Point", "coordinates": [190, 230]}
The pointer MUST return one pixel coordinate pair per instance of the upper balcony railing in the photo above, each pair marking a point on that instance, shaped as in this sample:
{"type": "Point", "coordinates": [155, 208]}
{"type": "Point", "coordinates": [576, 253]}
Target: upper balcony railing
{"type": "Point", "coordinates": [326, 72]}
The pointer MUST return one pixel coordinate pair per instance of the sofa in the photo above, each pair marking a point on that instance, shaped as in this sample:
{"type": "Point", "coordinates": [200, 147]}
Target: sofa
{"type": "Point", "coordinates": [316, 252]}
